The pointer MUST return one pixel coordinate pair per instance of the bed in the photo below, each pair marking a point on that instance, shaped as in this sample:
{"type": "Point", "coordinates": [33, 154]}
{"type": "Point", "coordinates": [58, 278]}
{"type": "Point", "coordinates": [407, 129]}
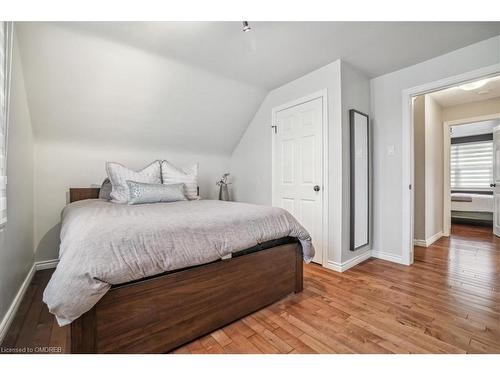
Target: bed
{"type": "Point", "coordinates": [472, 208]}
{"type": "Point", "coordinates": [140, 310]}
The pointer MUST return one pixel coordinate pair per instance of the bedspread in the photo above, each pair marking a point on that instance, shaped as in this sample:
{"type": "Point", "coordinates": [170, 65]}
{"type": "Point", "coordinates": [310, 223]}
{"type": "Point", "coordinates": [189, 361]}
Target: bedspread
{"type": "Point", "coordinates": [104, 244]}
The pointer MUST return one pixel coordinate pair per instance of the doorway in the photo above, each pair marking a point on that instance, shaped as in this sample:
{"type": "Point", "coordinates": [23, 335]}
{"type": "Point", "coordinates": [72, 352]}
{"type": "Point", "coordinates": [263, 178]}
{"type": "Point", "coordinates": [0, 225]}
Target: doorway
{"type": "Point", "coordinates": [460, 165]}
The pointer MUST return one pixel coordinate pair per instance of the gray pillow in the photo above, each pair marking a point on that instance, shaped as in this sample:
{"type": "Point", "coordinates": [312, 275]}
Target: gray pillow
{"type": "Point", "coordinates": [105, 191]}
{"type": "Point", "coordinates": [153, 193]}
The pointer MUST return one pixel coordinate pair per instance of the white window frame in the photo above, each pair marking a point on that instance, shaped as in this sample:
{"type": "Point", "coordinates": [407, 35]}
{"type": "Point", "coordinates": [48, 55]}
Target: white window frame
{"type": "Point", "coordinates": [7, 66]}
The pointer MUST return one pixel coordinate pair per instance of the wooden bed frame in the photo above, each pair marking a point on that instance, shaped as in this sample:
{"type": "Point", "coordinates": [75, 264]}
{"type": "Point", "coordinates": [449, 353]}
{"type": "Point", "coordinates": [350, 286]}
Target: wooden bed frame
{"type": "Point", "coordinates": [161, 313]}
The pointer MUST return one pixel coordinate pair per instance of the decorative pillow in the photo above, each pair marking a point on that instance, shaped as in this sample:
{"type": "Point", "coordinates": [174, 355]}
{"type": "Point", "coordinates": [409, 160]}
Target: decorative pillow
{"type": "Point", "coordinates": [153, 193]}
{"type": "Point", "coordinates": [118, 175]}
{"type": "Point", "coordinates": [188, 176]}
{"type": "Point", "coordinates": [105, 191]}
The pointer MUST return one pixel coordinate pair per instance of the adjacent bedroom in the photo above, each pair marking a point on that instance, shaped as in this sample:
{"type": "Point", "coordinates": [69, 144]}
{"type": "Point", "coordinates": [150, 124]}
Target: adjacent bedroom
{"type": "Point", "coordinates": [249, 187]}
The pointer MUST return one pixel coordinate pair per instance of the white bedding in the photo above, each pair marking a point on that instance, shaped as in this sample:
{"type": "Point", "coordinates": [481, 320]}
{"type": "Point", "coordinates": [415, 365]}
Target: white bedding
{"type": "Point", "coordinates": [480, 203]}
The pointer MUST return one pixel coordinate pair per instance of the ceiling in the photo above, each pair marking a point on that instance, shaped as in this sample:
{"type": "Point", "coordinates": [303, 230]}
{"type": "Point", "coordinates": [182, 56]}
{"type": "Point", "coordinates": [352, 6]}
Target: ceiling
{"type": "Point", "coordinates": [195, 86]}
{"type": "Point", "coordinates": [274, 53]}
{"type": "Point", "coordinates": [455, 95]}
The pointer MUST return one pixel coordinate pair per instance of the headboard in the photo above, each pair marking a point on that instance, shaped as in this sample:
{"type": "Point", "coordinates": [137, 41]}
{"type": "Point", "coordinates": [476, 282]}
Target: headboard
{"type": "Point", "coordinates": [78, 194]}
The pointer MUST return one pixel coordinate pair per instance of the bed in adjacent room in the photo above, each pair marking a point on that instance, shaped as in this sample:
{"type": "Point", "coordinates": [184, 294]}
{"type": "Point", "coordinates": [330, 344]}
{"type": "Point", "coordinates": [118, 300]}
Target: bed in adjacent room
{"type": "Point", "coordinates": [472, 208]}
{"type": "Point", "coordinates": [151, 277]}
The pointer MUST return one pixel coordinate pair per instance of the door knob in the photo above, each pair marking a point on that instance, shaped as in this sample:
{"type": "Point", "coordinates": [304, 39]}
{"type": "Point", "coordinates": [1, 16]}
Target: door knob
{"type": "Point", "coordinates": [493, 185]}
{"type": "Point", "coordinates": [316, 188]}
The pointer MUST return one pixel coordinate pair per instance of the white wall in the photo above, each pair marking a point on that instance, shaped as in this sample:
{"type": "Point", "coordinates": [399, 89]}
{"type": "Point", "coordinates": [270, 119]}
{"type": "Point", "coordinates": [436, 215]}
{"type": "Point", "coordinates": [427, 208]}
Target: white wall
{"type": "Point", "coordinates": [251, 159]}
{"type": "Point", "coordinates": [434, 171]}
{"type": "Point", "coordinates": [355, 95]}
{"type": "Point", "coordinates": [419, 172]}
{"type": "Point", "coordinates": [16, 238]}
{"type": "Point", "coordinates": [428, 173]}
{"type": "Point", "coordinates": [386, 107]}
{"type": "Point", "coordinates": [61, 165]}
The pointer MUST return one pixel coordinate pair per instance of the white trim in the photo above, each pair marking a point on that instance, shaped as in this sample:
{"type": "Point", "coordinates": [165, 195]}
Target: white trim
{"type": "Point", "coordinates": [342, 267]}
{"type": "Point", "coordinates": [46, 264]}
{"type": "Point", "coordinates": [420, 243]}
{"type": "Point", "coordinates": [323, 94]}
{"type": "Point", "coordinates": [429, 241]}
{"type": "Point", "coordinates": [11, 312]}
{"type": "Point", "coordinates": [407, 147]}
{"type": "Point", "coordinates": [446, 167]}
{"type": "Point", "coordinates": [388, 257]}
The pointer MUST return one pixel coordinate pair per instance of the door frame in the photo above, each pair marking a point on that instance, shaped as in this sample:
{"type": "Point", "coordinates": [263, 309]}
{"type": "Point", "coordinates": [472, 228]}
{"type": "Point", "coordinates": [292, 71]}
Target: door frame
{"type": "Point", "coordinates": [323, 94]}
{"type": "Point", "coordinates": [446, 166]}
{"type": "Point", "coordinates": [407, 151]}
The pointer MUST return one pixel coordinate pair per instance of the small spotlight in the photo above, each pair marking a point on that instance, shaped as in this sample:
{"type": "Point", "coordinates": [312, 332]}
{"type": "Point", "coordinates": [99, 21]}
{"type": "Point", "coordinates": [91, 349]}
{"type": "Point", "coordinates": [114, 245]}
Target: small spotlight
{"type": "Point", "coordinates": [246, 27]}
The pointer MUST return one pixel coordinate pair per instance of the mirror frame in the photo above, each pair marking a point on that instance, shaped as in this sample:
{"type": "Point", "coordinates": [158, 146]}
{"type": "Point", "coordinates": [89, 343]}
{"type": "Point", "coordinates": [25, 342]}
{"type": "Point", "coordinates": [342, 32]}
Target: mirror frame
{"type": "Point", "coordinates": [352, 114]}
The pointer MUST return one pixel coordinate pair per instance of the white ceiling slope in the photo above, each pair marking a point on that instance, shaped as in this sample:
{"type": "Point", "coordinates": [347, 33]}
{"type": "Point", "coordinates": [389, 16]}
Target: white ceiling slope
{"type": "Point", "coordinates": [195, 86]}
{"type": "Point", "coordinates": [84, 88]}
{"type": "Point", "coordinates": [274, 53]}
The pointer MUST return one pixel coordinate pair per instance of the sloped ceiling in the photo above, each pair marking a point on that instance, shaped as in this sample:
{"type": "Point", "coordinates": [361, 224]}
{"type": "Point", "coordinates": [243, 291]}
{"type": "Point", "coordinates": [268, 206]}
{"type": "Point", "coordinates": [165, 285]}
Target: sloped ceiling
{"type": "Point", "coordinates": [194, 86]}
{"type": "Point", "coordinates": [87, 88]}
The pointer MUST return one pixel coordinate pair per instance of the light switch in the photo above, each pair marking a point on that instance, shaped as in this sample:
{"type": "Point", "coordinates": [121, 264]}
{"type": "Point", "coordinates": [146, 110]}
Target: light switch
{"type": "Point", "coordinates": [391, 150]}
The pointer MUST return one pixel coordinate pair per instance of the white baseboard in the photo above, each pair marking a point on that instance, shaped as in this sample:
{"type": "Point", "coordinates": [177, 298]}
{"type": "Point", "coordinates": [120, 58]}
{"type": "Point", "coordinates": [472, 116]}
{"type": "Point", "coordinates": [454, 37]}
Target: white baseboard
{"type": "Point", "coordinates": [387, 256]}
{"type": "Point", "coordinates": [341, 267]}
{"type": "Point", "coordinates": [420, 243]}
{"type": "Point", "coordinates": [429, 241]}
{"type": "Point", "coordinates": [46, 264]}
{"type": "Point", "coordinates": [11, 312]}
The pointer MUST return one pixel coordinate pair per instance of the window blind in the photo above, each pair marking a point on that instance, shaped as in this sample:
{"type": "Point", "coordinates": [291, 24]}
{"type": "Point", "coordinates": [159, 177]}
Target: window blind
{"type": "Point", "coordinates": [4, 70]}
{"type": "Point", "coordinates": [472, 165]}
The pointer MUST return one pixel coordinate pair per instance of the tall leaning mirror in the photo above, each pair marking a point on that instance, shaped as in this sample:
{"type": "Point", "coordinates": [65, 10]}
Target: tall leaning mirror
{"type": "Point", "coordinates": [360, 180]}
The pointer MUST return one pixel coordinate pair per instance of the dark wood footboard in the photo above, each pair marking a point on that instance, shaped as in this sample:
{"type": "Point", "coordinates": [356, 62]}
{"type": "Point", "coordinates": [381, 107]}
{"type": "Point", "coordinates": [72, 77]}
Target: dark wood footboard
{"type": "Point", "coordinates": [165, 312]}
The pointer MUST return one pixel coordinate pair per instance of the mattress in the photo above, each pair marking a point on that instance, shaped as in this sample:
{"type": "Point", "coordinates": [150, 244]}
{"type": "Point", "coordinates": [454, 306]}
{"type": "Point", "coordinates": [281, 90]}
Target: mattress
{"type": "Point", "coordinates": [478, 203]}
{"type": "Point", "coordinates": [105, 244]}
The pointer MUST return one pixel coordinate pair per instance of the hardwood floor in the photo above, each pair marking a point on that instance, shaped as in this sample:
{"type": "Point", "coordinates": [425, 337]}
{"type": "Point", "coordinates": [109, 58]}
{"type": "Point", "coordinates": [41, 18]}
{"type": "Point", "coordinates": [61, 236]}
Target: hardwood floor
{"type": "Point", "coordinates": [448, 301]}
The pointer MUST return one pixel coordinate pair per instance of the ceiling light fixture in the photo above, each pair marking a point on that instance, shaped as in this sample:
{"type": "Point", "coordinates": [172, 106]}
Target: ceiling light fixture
{"type": "Point", "coordinates": [473, 85]}
{"type": "Point", "coordinates": [246, 27]}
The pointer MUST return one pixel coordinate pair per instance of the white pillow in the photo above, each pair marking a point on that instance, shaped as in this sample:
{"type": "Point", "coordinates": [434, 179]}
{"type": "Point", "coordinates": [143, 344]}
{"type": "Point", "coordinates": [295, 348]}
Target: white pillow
{"type": "Point", "coordinates": [188, 176]}
{"type": "Point", "coordinates": [118, 175]}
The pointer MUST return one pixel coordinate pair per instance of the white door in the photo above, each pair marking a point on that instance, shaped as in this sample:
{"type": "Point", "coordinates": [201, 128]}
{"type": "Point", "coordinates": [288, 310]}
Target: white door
{"type": "Point", "coordinates": [298, 167]}
{"type": "Point", "coordinates": [496, 182]}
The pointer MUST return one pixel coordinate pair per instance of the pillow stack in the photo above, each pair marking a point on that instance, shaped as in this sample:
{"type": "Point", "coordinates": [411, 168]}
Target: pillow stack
{"type": "Point", "coordinates": [171, 174]}
{"type": "Point", "coordinates": [160, 181]}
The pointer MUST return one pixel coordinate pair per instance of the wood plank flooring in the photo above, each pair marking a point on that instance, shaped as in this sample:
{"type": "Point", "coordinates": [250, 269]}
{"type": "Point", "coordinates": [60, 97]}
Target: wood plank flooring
{"type": "Point", "coordinates": [447, 302]}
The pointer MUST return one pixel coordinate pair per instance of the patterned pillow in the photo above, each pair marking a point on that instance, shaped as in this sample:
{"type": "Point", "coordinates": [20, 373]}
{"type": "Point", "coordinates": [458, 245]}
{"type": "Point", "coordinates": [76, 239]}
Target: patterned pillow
{"type": "Point", "coordinates": [105, 190]}
{"type": "Point", "coordinates": [118, 175]}
{"type": "Point", "coordinates": [188, 176]}
{"type": "Point", "coordinates": [153, 193]}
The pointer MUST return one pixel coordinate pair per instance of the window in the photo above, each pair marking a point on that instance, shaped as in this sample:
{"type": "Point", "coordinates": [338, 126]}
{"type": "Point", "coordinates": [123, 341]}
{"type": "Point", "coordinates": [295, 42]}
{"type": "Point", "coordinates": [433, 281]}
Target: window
{"type": "Point", "coordinates": [5, 32]}
{"type": "Point", "coordinates": [472, 165]}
